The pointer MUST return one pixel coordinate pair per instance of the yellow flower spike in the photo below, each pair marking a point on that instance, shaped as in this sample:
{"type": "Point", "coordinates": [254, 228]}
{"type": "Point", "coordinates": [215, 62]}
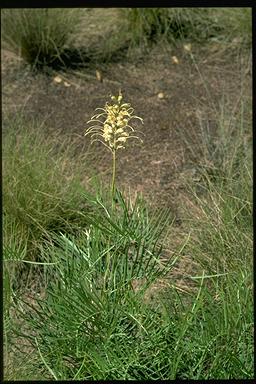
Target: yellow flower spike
{"type": "Point", "coordinates": [119, 130]}
{"type": "Point", "coordinates": [112, 125]}
{"type": "Point", "coordinates": [116, 122]}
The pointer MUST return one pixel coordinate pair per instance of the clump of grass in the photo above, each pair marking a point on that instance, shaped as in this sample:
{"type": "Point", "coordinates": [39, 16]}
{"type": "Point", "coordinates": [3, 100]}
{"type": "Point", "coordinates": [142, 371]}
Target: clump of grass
{"type": "Point", "coordinates": [147, 25]}
{"type": "Point", "coordinates": [221, 222]}
{"type": "Point", "coordinates": [227, 239]}
{"type": "Point", "coordinates": [41, 183]}
{"type": "Point", "coordinates": [220, 148]}
{"type": "Point", "coordinates": [42, 179]}
{"type": "Point", "coordinates": [222, 246]}
{"type": "Point", "coordinates": [91, 303]}
{"type": "Point", "coordinates": [40, 36]}
{"type": "Point", "coordinates": [92, 323]}
{"type": "Point", "coordinates": [236, 24]}
{"type": "Point", "coordinates": [152, 24]}
{"type": "Point", "coordinates": [216, 147]}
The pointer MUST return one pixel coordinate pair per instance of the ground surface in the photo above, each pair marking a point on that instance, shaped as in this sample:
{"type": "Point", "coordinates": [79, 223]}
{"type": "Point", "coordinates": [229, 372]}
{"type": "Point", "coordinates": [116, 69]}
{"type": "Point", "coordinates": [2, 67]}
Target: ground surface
{"type": "Point", "coordinates": [189, 90]}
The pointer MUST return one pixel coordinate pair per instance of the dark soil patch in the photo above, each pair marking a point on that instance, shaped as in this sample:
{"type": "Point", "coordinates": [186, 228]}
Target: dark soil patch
{"type": "Point", "coordinates": [187, 90]}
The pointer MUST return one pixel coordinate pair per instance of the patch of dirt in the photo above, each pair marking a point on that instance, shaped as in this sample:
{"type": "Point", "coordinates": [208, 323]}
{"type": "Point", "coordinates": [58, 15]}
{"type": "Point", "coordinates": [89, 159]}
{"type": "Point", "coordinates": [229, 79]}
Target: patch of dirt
{"type": "Point", "coordinates": [187, 89]}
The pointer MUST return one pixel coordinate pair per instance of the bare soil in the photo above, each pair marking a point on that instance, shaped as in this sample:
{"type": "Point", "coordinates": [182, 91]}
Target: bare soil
{"type": "Point", "coordinates": [189, 89]}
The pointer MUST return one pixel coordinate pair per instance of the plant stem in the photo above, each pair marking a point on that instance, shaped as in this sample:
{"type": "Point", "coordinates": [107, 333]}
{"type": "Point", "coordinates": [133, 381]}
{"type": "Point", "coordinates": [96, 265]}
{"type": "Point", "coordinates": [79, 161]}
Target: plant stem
{"type": "Point", "coordinates": [113, 175]}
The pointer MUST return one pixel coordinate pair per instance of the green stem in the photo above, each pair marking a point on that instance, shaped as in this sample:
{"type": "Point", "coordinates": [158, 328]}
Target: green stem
{"type": "Point", "coordinates": [113, 175]}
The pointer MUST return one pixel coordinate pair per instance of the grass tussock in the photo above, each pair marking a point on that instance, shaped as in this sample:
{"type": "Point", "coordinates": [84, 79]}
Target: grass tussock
{"type": "Point", "coordinates": [219, 213]}
{"type": "Point", "coordinates": [40, 36]}
{"type": "Point", "coordinates": [147, 25]}
{"type": "Point", "coordinates": [42, 179]}
{"type": "Point", "coordinates": [100, 270]}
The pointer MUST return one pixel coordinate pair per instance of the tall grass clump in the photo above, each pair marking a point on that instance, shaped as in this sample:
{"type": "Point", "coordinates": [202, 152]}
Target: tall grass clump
{"type": "Point", "coordinates": [39, 36]}
{"type": "Point", "coordinates": [95, 322]}
{"type": "Point", "coordinates": [152, 24]}
{"type": "Point", "coordinates": [236, 23]}
{"type": "Point", "coordinates": [221, 218]}
{"type": "Point", "coordinates": [147, 25]}
{"type": "Point", "coordinates": [42, 179]}
{"type": "Point", "coordinates": [41, 183]}
{"type": "Point", "coordinates": [223, 247]}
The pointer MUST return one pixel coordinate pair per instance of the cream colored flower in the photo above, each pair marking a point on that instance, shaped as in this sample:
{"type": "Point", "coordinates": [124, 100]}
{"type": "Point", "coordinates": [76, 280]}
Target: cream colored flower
{"type": "Point", "coordinates": [112, 125]}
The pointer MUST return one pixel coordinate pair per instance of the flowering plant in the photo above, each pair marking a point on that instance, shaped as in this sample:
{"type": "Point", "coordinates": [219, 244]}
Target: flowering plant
{"type": "Point", "coordinates": [112, 128]}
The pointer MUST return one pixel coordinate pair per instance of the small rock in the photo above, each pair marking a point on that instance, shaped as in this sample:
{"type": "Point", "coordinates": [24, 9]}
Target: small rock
{"type": "Point", "coordinates": [187, 47]}
{"type": "Point", "coordinates": [160, 95]}
{"type": "Point", "coordinates": [175, 60]}
{"type": "Point", "coordinates": [98, 75]}
{"type": "Point", "coordinates": [237, 40]}
{"type": "Point", "coordinates": [57, 79]}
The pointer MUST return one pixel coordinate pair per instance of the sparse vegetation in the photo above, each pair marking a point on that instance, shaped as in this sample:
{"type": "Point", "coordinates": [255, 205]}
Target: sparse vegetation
{"type": "Point", "coordinates": [46, 37]}
{"type": "Point", "coordinates": [40, 36]}
{"type": "Point", "coordinates": [92, 273]}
